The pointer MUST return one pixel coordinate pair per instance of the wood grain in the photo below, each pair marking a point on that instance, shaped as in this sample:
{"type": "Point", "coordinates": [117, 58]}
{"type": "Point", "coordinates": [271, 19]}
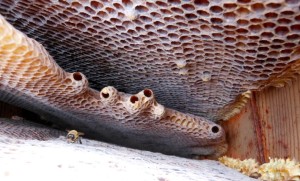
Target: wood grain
{"type": "Point", "coordinates": [268, 126]}
{"type": "Point", "coordinates": [241, 135]}
{"type": "Point", "coordinates": [279, 110]}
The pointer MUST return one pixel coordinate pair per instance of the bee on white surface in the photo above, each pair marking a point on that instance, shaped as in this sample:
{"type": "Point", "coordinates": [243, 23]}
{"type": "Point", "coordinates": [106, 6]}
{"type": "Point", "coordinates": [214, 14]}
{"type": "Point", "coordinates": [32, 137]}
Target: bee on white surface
{"type": "Point", "coordinates": [74, 136]}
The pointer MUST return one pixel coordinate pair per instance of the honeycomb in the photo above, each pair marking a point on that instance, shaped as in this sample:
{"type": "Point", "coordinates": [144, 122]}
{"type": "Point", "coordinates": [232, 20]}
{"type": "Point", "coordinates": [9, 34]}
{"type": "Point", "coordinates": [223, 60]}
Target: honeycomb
{"type": "Point", "coordinates": [197, 56]}
{"type": "Point", "coordinates": [27, 130]}
{"type": "Point", "coordinates": [32, 79]}
{"type": "Point", "coordinates": [277, 169]}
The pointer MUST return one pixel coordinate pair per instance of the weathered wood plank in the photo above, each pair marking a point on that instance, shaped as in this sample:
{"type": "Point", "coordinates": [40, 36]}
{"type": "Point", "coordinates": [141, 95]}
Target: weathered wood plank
{"type": "Point", "coordinates": [275, 112]}
{"type": "Point", "coordinates": [279, 111]}
{"type": "Point", "coordinates": [241, 135]}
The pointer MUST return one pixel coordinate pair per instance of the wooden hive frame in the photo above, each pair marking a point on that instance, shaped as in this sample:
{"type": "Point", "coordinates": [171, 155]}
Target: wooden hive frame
{"type": "Point", "coordinates": [268, 126]}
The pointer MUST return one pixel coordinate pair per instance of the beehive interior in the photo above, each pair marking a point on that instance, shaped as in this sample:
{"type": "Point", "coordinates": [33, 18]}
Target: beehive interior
{"type": "Point", "coordinates": [200, 57]}
{"type": "Point", "coordinates": [197, 56]}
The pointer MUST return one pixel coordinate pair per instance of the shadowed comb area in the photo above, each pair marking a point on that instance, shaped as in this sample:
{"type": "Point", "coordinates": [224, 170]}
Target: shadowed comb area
{"type": "Point", "coordinates": [197, 56]}
{"type": "Point", "coordinates": [30, 78]}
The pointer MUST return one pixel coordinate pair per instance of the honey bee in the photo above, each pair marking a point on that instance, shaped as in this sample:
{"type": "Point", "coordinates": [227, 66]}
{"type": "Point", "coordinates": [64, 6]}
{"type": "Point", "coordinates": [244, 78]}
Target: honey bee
{"type": "Point", "coordinates": [73, 136]}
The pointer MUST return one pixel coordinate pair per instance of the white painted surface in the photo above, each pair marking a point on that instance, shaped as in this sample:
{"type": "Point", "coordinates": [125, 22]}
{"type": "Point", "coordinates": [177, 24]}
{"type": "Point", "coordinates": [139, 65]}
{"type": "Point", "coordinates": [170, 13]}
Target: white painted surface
{"type": "Point", "coordinates": [58, 160]}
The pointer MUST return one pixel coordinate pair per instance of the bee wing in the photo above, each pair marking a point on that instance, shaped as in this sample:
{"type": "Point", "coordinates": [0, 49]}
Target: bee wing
{"type": "Point", "coordinates": [80, 133]}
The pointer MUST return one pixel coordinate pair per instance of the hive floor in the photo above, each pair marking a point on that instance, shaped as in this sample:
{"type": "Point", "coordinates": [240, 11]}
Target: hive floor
{"type": "Point", "coordinates": [34, 159]}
